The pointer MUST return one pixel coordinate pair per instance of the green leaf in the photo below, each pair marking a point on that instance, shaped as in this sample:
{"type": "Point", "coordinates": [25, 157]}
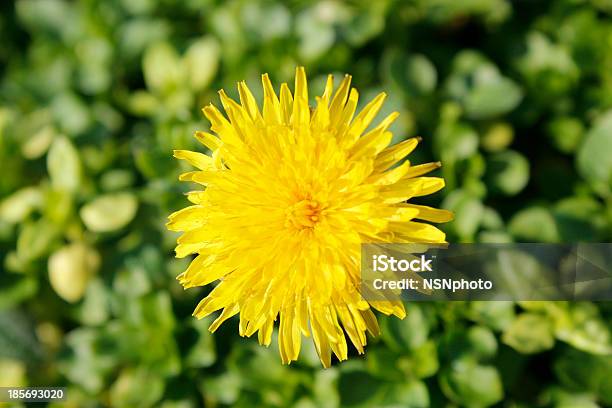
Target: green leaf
{"type": "Point", "coordinates": [584, 329]}
{"type": "Point", "coordinates": [153, 162]}
{"type": "Point", "coordinates": [136, 387]}
{"type": "Point", "coordinates": [482, 342]}
{"type": "Point", "coordinates": [413, 74]}
{"type": "Point", "coordinates": [17, 338]}
{"type": "Point", "coordinates": [586, 372]}
{"type": "Point", "coordinates": [529, 333]}
{"type": "Point", "coordinates": [384, 363]}
{"type": "Point", "coordinates": [568, 399]}
{"type": "Point", "coordinates": [566, 133]}
{"type": "Point", "coordinates": [153, 310]}
{"type": "Point", "coordinates": [497, 137]}
{"type": "Point", "coordinates": [494, 237]}
{"type": "Point", "coordinates": [477, 342]}
{"type": "Point", "coordinates": [579, 219]}
{"type": "Point", "coordinates": [116, 179]}
{"type": "Point", "coordinates": [413, 394]}
{"type": "Point", "coordinates": [455, 141]}
{"type": "Point", "coordinates": [407, 334]}
{"type": "Point", "coordinates": [315, 34]}
{"type": "Point", "coordinates": [325, 388]}
{"type": "Point", "coordinates": [109, 212]}
{"type": "Point", "coordinates": [523, 275]}
{"type": "Point", "coordinates": [534, 224]}
{"type": "Point", "coordinates": [492, 97]}
{"type": "Point", "coordinates": [425, 360]}
{"type": "Point", "coordinates": [478, 85]}
{"type": "Point", "coordinates": [491, 219]}
{"type": "Point", "coordinates": [547, 67]}
{"type": "Point", "coordinates": [468, 213]}
{"type": "Point", "coordinates": [16, 289]}
{"type": "Point", "coordinates": [132, 282]}
{"type": "Point", "coordinates": [359, 388]}
{"type": "Point", "coordinates": [71, 113]}
{"type": "Point", "coordinates": [59, 206]}
{"type": "Point", "coordinates": [136, 34]}
{"type": "Point", "coordinates": [202, 61]}
{"type": "Point", "coordinates": [468, 383]}
{"type": "Point", "coordinates": [256, 18]}
{"type": "Point", "coordinates": [595, 155]}
{"type": "Point", "coordinates": [16, 207]}
{"type": "Point", "coordinates": [96, 308]}
{"type": "Point", "coordinates": [64, 165]}
{"type": "Point", "coordinates": [421, 75]}
{"type": "Point", "coordinates": [70, 270]}
{"type": "Point", "coordinates": [38, 144]}
{"type": "Point", "coordinates": [162, 68]}
{"type": "Point", "coordinates": [507, 172]}
{"type": "Point", "coordinates": [12, 373]}
{"type": "Point", "coordinates": [444, 12]}
{"type": "Point", "coordinates": [202, 353]}
{"type": "Point", "coordinates": [496, 315]}
{"type": "Point", "coordinates": [50, 15]}
{"type": "Point", "coordinates": [223, 388]}
{"type": "Point", "coordinates": [261, 371]}
{"type": "Point", "coordinates": [363, 26]}
{"type": "Point", "coordinates": [35, 240]}
{"type": "Point", "coordinates": [143, 103]}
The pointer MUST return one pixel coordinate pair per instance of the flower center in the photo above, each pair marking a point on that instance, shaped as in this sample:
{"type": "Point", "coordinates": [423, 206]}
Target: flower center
{"type": "Point", "coordinates": [304, 214]}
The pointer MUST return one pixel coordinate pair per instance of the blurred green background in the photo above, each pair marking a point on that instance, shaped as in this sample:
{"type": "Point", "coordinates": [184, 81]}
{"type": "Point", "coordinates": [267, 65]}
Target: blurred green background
{"type": "Point", "coordinates": [514, 97]}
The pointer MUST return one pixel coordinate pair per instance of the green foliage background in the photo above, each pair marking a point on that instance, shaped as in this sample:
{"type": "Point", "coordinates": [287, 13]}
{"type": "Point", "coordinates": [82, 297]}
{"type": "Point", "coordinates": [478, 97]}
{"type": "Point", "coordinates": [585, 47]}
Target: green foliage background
{"type": "Point", "coordinates": [514, 97]}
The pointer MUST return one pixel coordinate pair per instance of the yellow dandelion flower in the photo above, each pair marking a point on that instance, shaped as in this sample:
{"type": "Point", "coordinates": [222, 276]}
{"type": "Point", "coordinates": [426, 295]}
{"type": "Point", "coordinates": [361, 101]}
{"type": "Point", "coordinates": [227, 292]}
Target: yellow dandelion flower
{"type": "Point", "coordinates": [290, 193]}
